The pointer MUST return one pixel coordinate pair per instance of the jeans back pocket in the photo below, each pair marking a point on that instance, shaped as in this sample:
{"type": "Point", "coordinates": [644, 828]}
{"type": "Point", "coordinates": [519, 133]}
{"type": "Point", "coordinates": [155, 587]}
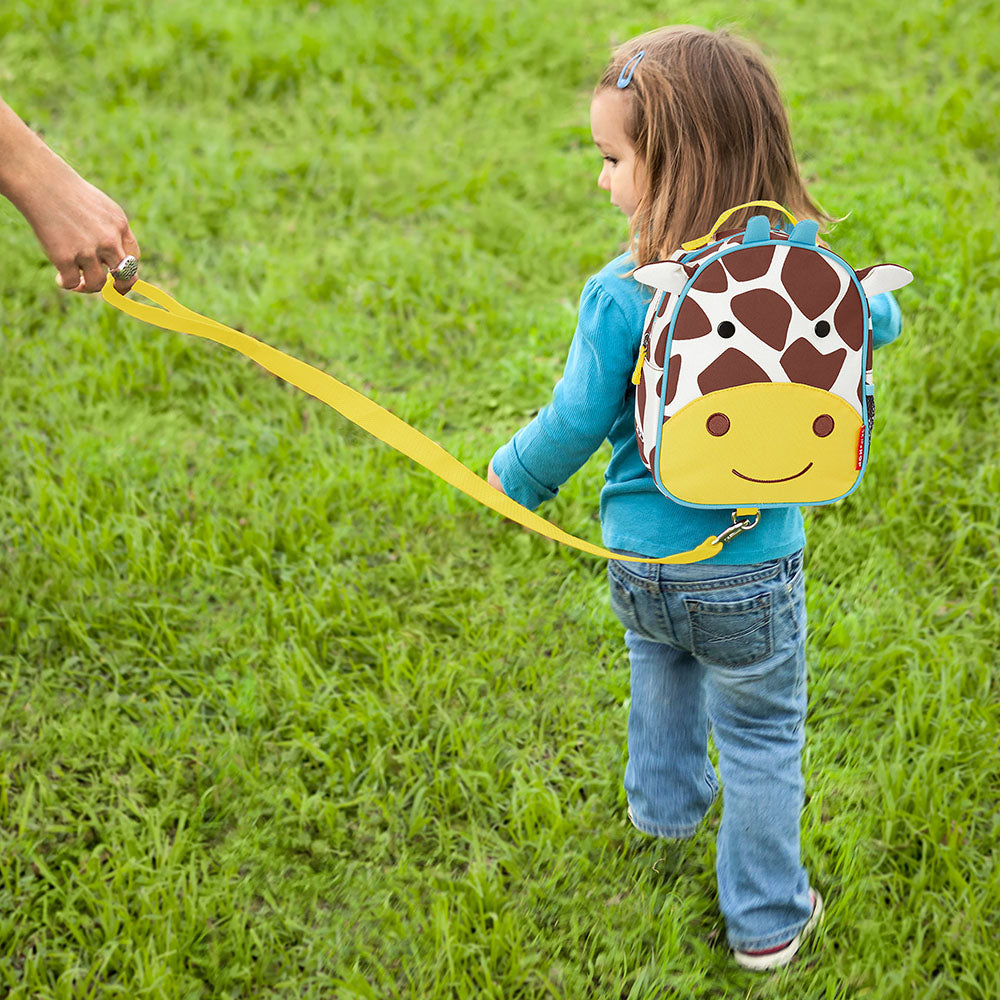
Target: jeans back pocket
{"type": "Point", "coordinates": [731, 633]}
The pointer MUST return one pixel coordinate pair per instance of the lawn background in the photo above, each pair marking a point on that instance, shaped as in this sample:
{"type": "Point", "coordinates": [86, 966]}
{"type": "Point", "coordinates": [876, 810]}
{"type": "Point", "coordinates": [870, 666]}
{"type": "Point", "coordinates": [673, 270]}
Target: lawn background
{"type": "Point", "coordinates": [282, 716]}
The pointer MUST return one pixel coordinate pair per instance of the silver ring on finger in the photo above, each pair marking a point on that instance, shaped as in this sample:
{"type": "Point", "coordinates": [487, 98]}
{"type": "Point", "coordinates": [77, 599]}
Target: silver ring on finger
{"type": "Point", "coordinates": [126, 270]}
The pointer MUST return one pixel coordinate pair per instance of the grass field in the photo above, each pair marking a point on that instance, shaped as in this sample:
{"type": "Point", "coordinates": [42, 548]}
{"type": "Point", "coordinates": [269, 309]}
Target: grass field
{"type": "Point", "coordinates": [282, 716]}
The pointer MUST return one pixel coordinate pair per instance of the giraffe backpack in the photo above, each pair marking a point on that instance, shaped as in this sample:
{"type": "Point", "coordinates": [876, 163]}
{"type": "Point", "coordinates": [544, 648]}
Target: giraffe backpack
{"type": "Point", "coordinates": [754, 379]}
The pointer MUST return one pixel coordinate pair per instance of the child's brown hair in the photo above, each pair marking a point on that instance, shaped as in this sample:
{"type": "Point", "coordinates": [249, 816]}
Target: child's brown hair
{"type": "Point", "coordinates": [710, 130]}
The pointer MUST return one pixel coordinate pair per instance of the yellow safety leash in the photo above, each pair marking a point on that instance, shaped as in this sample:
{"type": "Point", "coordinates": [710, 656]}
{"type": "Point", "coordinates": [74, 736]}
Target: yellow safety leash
{"type": "Point", "coordinates": [377, 420]}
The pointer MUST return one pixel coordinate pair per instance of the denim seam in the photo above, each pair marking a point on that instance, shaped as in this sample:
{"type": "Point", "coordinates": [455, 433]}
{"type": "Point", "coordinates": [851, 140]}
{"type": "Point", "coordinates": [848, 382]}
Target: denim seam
{"type": "Point", "coordinates": [789, 590]}
{"type": "Point", "coordinates": [667, 833]}
{"type": "Point", "coordinates": [693, 586]}
{"type": "Point", "coordinates": [772, 940]}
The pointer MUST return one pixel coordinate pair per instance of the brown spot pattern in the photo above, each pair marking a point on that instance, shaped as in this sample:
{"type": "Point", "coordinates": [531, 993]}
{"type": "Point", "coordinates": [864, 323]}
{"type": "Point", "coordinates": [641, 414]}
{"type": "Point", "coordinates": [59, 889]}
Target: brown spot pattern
{"type": "Point", "coordinates": [712, 278]}
{"type": "Point", "coordinates": [848, 320]}
{"type": "Point", "coordinates": [729, 369]}
{"type": "Point", "coordinates": [715, 247]}
{"type": "Point", "coordinates": [673, 376]}
{"type": "Point", "coordinates": [691, 321]}
{"type": "Point", "coordinates": [750, 263]}
{"type": "Point", "coordinates": [765, 314]}
{"type": "Point", "coordinates": [810, 280]}
{"type": "Point", "coordinates": [659, 346]}
{"type": "Point", "coordinates": [663, 305]}
{"type": "Point", "coordinates": [804, 364]}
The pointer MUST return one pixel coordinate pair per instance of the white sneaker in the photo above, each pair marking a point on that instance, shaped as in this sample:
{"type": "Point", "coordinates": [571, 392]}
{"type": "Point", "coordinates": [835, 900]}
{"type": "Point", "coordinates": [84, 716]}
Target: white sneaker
{"type": "Point", "coordinates": [782, 954]}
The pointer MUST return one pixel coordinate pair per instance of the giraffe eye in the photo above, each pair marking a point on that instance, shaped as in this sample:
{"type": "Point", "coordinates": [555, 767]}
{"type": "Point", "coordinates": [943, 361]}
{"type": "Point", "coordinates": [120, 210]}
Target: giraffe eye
{"type": "Point", "coordinates": [725, 329]}
{"type": "Point", "coordinates": [822, 328]}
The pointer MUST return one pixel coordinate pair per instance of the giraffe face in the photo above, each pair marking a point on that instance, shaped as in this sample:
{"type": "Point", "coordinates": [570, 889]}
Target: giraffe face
{"type": "Point", "coordinates": [762, 443]}
{"type": "Point", "coordinates": [757, 396]}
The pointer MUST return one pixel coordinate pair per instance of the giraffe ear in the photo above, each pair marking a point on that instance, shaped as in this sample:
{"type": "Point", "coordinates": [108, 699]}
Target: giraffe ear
{"type": "Point", "coordinates": [665, 275]}
{"type": "Point", "coordinates": [883, 278]}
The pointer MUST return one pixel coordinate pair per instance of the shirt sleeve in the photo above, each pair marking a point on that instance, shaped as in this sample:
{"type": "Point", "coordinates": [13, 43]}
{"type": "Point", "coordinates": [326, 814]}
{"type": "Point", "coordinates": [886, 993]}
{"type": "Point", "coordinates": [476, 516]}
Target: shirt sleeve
{"type": "Point", "coordinates": [586, 401]}
{"type": "Point", "coordinates": [887, 320]}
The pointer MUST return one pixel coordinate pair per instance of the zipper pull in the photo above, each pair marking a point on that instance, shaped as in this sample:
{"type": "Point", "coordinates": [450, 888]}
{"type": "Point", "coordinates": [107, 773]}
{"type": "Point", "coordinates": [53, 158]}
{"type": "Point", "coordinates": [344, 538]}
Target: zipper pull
{"type": "Point", "coordinates": [637, 373]}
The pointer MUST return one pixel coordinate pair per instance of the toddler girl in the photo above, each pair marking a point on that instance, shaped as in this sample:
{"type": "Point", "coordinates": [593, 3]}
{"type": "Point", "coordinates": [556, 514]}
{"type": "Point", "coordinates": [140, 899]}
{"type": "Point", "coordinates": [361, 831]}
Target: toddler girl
{"type": "Point", "coordinates": [690, 123]}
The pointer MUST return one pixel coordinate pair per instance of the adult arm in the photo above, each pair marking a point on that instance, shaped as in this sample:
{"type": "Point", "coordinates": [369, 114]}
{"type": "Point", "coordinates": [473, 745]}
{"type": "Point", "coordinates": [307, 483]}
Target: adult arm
{"type": "Point", "coordinates": [82, 231]}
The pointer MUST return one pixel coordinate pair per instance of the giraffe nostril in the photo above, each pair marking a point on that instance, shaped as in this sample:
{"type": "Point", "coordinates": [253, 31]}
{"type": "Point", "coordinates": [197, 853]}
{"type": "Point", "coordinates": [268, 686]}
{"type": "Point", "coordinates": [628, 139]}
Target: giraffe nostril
{"type": "Point", "coordinates": [717, 424]}
{"type": "Point", "coordinates": [823, 425]}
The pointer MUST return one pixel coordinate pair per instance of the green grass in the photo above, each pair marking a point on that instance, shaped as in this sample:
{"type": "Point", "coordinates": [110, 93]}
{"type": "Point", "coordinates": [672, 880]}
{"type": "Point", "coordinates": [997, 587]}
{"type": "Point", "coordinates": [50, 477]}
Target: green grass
{"type": "Point", "coordinates": [282, 716]}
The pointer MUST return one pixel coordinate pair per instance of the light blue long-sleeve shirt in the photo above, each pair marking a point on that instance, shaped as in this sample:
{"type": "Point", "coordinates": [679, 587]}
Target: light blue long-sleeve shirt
{"type": "Point", "coordinates": [595, 399]}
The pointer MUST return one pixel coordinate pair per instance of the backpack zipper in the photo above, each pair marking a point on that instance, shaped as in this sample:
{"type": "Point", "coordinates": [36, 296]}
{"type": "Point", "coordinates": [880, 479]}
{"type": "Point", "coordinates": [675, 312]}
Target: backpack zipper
{"type": "Point", "coordinates": [637, 373]}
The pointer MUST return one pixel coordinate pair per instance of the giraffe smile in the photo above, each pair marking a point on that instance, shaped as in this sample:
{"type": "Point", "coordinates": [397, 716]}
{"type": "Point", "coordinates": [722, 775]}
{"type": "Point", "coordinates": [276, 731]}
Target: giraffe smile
{"type": "Point", "coordinates": [787, 479]}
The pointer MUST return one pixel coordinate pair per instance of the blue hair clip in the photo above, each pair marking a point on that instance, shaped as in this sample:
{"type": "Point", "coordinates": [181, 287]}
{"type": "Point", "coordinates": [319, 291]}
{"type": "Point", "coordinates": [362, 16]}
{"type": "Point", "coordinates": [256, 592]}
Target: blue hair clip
{"type": "Point", "coordinates": [625, 77]}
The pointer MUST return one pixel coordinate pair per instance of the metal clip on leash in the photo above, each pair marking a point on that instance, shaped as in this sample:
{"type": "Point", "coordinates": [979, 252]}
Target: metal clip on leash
{"type": "Point", "coordinates": [739, 526]}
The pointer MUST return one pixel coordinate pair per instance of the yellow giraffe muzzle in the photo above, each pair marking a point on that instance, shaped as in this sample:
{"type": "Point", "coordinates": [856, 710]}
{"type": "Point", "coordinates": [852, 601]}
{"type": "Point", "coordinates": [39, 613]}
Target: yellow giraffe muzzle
{"type": "Point", "coordinates": [769, 443]}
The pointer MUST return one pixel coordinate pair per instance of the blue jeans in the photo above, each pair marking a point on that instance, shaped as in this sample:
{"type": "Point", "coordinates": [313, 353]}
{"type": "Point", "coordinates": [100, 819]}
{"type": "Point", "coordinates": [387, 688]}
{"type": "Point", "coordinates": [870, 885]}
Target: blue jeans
{"type": "Point", "coordinates": [721, 649]}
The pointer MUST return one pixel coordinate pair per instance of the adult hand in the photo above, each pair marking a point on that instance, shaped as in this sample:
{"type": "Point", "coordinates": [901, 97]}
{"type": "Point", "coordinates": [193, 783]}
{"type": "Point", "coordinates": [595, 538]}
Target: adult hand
{"type": "Point", "coordinates": [82, 231]}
